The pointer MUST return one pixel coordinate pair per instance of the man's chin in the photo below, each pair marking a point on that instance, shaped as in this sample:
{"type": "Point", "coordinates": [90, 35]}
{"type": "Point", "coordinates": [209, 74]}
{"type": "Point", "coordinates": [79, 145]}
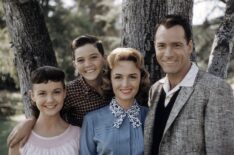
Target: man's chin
{"type": "Point", "coordinates": [169, 71]}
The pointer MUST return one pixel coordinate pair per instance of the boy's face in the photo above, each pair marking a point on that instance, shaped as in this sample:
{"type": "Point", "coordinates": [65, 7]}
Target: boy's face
{"type": "Point", "coordinates": [49, 97]}
{"type": "Point", "coordinates": [88, 62]}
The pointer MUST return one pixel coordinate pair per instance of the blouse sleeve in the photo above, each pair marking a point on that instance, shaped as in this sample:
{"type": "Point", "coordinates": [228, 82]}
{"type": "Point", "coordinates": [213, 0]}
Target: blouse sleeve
{"type": "Point", "coordinates": [87, 144]}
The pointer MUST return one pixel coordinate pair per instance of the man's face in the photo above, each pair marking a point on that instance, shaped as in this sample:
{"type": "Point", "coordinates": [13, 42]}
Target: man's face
{"type": "Point", "coordinates": [172, 50]}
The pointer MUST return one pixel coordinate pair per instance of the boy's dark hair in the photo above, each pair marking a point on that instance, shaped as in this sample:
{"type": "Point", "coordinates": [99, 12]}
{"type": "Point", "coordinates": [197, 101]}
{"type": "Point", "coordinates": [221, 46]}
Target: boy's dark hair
{"type": "Point", "coordinates": [86, 39]}
{"type": "Point", "coordinates": [173, 20]}
{"type": "Point", "coordinates": [43, 75]}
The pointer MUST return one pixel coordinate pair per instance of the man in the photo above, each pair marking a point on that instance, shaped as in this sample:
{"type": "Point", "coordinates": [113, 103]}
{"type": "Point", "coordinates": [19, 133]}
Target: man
{"type": "Point", "coordinates": [191, 111]}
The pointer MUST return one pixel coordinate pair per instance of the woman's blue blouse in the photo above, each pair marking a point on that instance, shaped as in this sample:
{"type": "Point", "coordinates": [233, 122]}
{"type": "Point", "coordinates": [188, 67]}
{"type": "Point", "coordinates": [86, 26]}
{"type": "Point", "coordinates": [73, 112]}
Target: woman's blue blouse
{"type": "Point", "coordinates": [100, 137]}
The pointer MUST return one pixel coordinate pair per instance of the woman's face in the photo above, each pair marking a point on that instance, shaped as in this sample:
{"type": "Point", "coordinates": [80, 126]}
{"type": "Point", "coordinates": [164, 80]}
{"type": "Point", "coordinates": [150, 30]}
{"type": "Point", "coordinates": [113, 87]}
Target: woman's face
{"type": "Point", "coordinates": [125, 79]}
{"type": "Point", "coordinates": [88, 62]}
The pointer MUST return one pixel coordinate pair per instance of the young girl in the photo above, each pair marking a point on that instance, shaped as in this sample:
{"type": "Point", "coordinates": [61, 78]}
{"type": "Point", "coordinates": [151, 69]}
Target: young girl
{"type": "Point", "coordinates": [51, 135]}
{"type": "Point", "coordinates": [118, 127]}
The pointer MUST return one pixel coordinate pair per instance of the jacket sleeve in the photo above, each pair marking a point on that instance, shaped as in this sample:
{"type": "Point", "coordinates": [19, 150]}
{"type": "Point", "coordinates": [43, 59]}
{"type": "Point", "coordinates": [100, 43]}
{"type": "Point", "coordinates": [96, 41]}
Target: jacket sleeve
{"type": "Point", "coordinates": [154, 93]}
{"type": "Point", "coordinates": [87, 144]}
{"type": "Point", "coordinates": [219, 121]}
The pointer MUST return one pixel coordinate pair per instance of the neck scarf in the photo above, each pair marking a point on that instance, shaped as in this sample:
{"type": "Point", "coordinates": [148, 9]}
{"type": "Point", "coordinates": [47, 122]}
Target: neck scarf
{"type": "Point", "coordinates": [132, 113]}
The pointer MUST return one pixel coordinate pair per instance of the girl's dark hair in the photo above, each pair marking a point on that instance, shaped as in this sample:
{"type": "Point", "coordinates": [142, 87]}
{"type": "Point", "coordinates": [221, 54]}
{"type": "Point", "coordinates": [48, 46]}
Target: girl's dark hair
{"type": "Point", "coordinates": [47, 73]}
{"type": "Point", "coordinates": [43, 75]}
{"type": "Point", "coordinates": [86, 39]}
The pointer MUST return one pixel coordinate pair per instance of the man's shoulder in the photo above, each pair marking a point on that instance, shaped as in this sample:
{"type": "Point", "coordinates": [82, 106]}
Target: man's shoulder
{"type": "Point", "coordinates": [157, 85]}
{"type": "Point", "coordinates": [209, 80]}
{"type": "Point", "coordinates": [206, 75]}
{"type": "Point", "coordinates": [206, 82]}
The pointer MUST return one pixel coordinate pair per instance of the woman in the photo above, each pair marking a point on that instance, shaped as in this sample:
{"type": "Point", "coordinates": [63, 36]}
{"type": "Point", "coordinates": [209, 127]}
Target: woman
{"type": "Point", "coordinates": [118, 127]}
{"type": "Point", "coordinates": [84, 94]}
{"type": "Point", "coordinates": [51, 135]}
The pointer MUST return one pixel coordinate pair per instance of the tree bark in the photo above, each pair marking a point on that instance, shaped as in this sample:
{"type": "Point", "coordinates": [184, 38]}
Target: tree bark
{"type": "Point", "coordinates": [139, 18]}
{"type": "Point", "coordinates": [223, 44]}
{"type": "Point", "coordinates": [185, 9]}
{"type": "Point", "coordinates": [30, 41]}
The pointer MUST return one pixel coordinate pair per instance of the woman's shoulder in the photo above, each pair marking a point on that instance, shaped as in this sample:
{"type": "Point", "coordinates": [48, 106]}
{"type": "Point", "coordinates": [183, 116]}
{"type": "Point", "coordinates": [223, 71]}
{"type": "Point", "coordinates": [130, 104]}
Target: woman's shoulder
{"type": "Point", "coordinates": [99, 116]}
{"type": "Point", "coordinates": [144, 110]}
{"type": "Point", "coordinates": [98, 112]}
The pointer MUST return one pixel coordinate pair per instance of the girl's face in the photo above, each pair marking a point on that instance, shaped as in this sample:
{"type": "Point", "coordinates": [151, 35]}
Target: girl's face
{"type": "Point", "coordinates": [49, 97]}
{"type": "Point", "coordinates": [88, 62]}
{"type": "Point", "coordinates": [125, 79]}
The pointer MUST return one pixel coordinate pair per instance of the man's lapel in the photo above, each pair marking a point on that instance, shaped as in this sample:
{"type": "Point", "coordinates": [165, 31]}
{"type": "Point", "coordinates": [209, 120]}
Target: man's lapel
{"type": "Point", "coordinates": [182, 98]}
{"type": "Point", "coordinates": [149, 122]}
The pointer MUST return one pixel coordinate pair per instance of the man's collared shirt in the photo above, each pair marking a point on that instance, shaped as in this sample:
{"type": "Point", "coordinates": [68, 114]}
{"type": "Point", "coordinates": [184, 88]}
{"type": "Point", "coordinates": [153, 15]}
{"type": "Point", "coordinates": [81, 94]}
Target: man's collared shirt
{"type": "Point", "coordinates": [187, 81]}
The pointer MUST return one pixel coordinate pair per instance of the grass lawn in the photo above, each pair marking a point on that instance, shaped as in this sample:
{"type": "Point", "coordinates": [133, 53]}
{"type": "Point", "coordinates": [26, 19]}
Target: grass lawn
{"type": "Point", "coordinates": [9, 118]}
{"type": "Point", "coordinates": [6, 126]}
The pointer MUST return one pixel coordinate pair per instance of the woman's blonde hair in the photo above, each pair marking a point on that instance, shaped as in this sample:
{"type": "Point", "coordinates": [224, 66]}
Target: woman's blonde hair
{"type": "Point", "coordinates": [126, 54]}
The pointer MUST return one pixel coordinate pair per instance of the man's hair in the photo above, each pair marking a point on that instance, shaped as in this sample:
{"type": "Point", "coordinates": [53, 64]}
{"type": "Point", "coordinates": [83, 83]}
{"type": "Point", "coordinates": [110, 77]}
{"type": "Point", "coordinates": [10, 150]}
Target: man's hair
{"type": "Point", "coordinates": [173, 20]}
{"type": "Point", "coordinates": [86, 39]}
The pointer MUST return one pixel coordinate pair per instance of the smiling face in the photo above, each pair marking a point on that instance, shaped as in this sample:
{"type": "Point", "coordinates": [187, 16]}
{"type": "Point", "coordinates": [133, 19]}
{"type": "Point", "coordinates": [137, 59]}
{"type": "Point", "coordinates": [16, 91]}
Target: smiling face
{"type": "Point", "coordinates": [88, 62]}
{"type": "Point", "coordinates": [172, 51]}
{"type": "Point", "coordinates": [125, 79]}
{"type": "Point", "coordinates": [49, 97]}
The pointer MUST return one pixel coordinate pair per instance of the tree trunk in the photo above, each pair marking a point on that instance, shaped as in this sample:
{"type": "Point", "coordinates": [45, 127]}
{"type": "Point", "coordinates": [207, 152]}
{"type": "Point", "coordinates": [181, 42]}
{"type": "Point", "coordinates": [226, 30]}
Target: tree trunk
{"type": "Point", "coordinates": [181, 7]}
{"type": "Point", "coordinates": [223, 44]}
{"type": "Point", "coordinates": [139, 18]}
{"type": "Point", "coordinates": [185, 9]}
{"type": "Point", "coordinates": [30, 41]}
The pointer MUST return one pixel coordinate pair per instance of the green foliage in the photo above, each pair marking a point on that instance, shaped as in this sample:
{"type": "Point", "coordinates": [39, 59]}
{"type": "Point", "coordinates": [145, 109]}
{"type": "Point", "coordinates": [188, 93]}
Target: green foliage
{"type": "Point", "coordinates": [96, 17]}
{"type": "Point", "coordinates": [85, 17]}
{"type": "Point", "coordinates": [5, 129]}
{"type": "Point", "coordinates": [7, 68]}
{"type": "Point", "coordinates": [104, 17]}
{"type": "Point", "coordinates": [10, 104]}
{"type": "Point", "coordinates": [2, 22]}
